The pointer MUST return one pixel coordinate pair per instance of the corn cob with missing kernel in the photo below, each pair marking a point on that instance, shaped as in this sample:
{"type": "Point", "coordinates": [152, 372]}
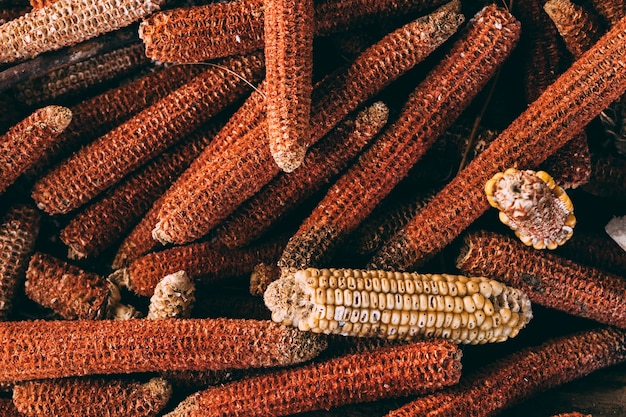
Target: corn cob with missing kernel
{"type": "Point", "coordinates": [91, 397]}
{"type": "Point", "coordinates": [397, 305]}
{"type": "Point", "coordinates": [399, 371]}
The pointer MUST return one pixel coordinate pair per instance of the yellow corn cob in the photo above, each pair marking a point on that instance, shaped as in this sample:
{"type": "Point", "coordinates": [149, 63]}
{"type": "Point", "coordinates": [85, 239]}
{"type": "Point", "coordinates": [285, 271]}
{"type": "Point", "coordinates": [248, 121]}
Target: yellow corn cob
{"type": "Point", "coordinates": [398, 305]}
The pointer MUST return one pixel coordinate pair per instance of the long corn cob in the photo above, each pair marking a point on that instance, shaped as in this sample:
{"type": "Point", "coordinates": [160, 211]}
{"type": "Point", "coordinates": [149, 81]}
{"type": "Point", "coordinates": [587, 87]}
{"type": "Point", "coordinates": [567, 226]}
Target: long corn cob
{"type": "Point", "coordinates": [415, 368]}
{"type": "Point", "coordinates": [398, 305]}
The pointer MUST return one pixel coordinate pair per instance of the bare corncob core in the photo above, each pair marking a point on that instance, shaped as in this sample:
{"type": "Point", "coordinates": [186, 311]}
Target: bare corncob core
{"type": "Point", "coordinates": [19, 229]}
{"type": "Point", "coordinates": [20, 146]}
{"type": "Point", "coordinates": [597, 250]}
{"type": "Point", "coordinates": [410, 369]}
{"type": "Point", "coordinates": [173, 297]}
{"type": "Point", "coordinates": [564, 108]}
{"type": "Point", "coordinates": [105, 161]}
{"type": "Point", "coordinates": [612, 10]}
{"type": "Point", "coordinates": [522, 374]}
{"type": "Point", "coordinates": [398, 305]}
{"type": "Point", "coordinates": [67, 22]}
{"type": "Point", "coordinates": [548, 280]}
{"type": "Point", "coordinates": [7, 408]}
{"type": "Point", "coordinates": [91, 397]}
{"type": "Point", "coordinates": [52, 349]}
{"type": "Point", "coordinates": [571, 164]}
{"type": "Point", "coordinates": [608, 177]}
{"type": "Point", "coordinates": [577, 27]}
{"type": "Point", "coordinates": [430, 110]}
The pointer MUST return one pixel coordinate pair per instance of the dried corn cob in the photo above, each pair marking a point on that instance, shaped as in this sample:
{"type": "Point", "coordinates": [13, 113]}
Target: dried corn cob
{"type": "Point", "coordinates": [68, 22]}
{"type": "Point", "coordinates": [430, 110]}
{"type": "Point", "coordinates": [173, 297]}
{"type": "Point", "coordinates": [564, 108]}
{"type": "Point", "coordinates": [595, 249]}
{"type": "Point", "coordinates": [86, 347]}
{"type": "Point", "coordinates": [18, 232]}
{"type": "Point", "coordinates": [323, 161]}
{"type": "Point", "coordinates": [105, 161]}
{"type": "Point", "coordinates": [211, 192]}
{"type": "Point", "coordinates": [38, 4]}
{"type": "Point", "coordinates": [410, 369]}
{"type": "Point", "coordinates": [571, 165]}
{"type": "Point", "coordinates": [7, 408]}
{"type": "Point", "coordinates": [522, 374]}
{"type": "Point", "coordinates": [608, 177]}
{"type": "Point", "coordinates": [548, 280]}
{"type": "Point", "coordinates": [578, 28]}
{"type": "Point", "coordinates": [91, 397]}
{"type": "Point", "coordinates": [611, 10]}
{"type": "Point", "coordinates": [572, 414]}
{"type": "Point", "coordinates": [20, 146]}
{"type": "Point", "coordinates": [398, 305]}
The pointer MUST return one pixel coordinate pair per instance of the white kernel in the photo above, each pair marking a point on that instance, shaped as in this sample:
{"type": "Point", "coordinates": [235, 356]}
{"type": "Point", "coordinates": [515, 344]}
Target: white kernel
{"type": "Point", "coordinates": [395, 318]}
{"type": "Point", "coordinates": [351, 283]}
{"type": "Point", "coordinates": [319, 311]}
{"type": "Point", "coordinates": [382, 301]}
{"type": "Point", "coordinates": [365, 316]}
{"type": "Point", "coordinates": [448, 319]}
{"type": "Point", "coordinates": [423, 318]}
{"type": "Point", "coordinates": [376, 284]}
{"type": "Point", "coordinates": [409, 286]}
{"type": "Point", "coordinates": [414, 316]}
{"type": "Point", "coordinates": [385, 316]}
{"type": "Point", "coordinates": [356, 314]}
{"type": "Point", "coordinates": [458, 305]}
{"type": "Point", "coordinates": [469, 305]}
{"type": "Point", "coordinates": [330, 312]}
{"type": "Point", "coordinates": [405, 317]}
{"type": "Point", "coordinates": [341, 282]}
{"type": "Point", "coordinates": [391, 301]}
{"type": "Point", "coordinates": [332, 281]}
{"type": "Point", "coordinates": [441, 318]}
{"type": "Point", "coordinates": [419, 286]}
{"type": "Point", "coordinates": [347, 298]}
{"type": "Point", "coordinates": [320, 296]}
{"type": "Point", "coordinates": [385, 285]}
{"type": "Point", "coordinates": [398, 302]}
{"type": "Point", "coordinates": [400, 285]}
{"type": "Point", "coordinates": [360, 284]}
{"type": "Point", "coordinates": [479, 300]}
{"type": "Point", "coordinates": [373, 300]}
{"type": "Point", "coordinates": [374, 316]}
{"type": "Point", "coordinates": [432, 319]}
{"type": "Point", "coordinates": [442, 287]}
{"type": "Point", "coordinates": [365, 299]}
{"type": "Point", "coordinates": [330, 296]}
{"type": "Point", "coordinates": [323, 280]}
{"type": "Point", "coordinates": [367, 283]}
{"type": "Point", "coordinates": [339, 313]}
{"type": "Point", "coordinates": [456, 321]}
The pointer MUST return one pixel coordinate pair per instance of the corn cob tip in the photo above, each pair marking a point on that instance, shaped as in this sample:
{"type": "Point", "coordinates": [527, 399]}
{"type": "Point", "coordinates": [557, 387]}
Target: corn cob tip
{"type": "Point", "coordinates": [159, 387]}
{"type": "Point", "coordinates": [57, 117]}
{"type": "Point", "coordinates": [120, 278]}
{"type": "Point", "coordinates": [173, 296]}
{"type": "Point", "coordinates": [290, 159]}
{"type": "Point", "coordinates": [375, 115]}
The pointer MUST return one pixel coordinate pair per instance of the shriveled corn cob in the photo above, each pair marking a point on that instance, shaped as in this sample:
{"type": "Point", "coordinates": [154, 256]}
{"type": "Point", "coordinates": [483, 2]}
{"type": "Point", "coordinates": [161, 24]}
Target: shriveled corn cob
{"type": "Point", "coordinates": [410, 369]}
{"type": "Point", "coordinates": [91, 397]}
{"type": "Point", "coordinates": [173, 297]}
{"type": "Point", "coordinates": [19, 229]}
{"type": "Point", "coordinates": [398, 305]}
{"type": "Point", "coordinates": [611, 10]}
{"type": "Point", "coordinates": [576, 26]}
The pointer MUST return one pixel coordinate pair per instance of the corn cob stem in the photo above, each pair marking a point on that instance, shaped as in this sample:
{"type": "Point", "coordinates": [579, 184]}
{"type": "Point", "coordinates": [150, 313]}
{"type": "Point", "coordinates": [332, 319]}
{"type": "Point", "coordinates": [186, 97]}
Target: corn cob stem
{"type": "Point", "coordinates": [415, 368]}
{"type": "Point", "coordinates": [562, 110]}
{"type": "Point", "coordinates": [522, 374]}
{"type": "Point", "coordinates": [547, 279]}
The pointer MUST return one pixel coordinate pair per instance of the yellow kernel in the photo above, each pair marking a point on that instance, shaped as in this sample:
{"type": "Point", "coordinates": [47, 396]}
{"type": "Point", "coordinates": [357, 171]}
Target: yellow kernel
{"type": "Point", "coordinates": [398, 302]}
{"type": "Point", "coordinates": [330, 312]}
{"type": "Point", "coordinates": [488, 308]}
{"type": "Point", "coordinates": [471, 321]}
{"type": "Point", "coordinates": [472, 287]}
{"type": "Point", "coordinates": [409, 286]}
{"type": "Point", "coordinates": [423, 318]}
{"type": "Point", "coordinates": [355, 315]}
{"type": "Point", "coordinates": [341, 282]}
{"type": "Point", "coordinates": [480, 317]}
{"type": "Point", "coordinates": [365, 299]}
{"type": "Point", "coordinates": [479, 300]}
{"type": "Point", "coordinates": [442, 287]}
{"type": "Point", "coordinates": [423, 302]}
{"type": "Point", "coordinates": [374, 300]}
{"type": "Point", "coordinates": [505, 313]}
{"type": "Point", "coordinates": [400, 285]}
{"type": "Point", "coordinates": [448, 302]}
{"type": "Point", "coordinates": [323, 281]}
{"type": "Point", "coordinates": [414, 316]}
{"type": "Point", "coordinates": [360, 284]}
{"type": "Point", "coordinates": [390, 301]}
{"type": "Point", "coordinates": [468, 304]}
{"type": "Point", "coordinates": [496, 288]}
{"type": "Point", "coordinates": [461, 289]}
{"type": "Point", "coordinates": [385, 285]}
{"type": "Point", "coordinates": [356, 299]}
{"type": "Point", "coordinates": [493, 321]}
{"type": "Point", "coordinates": [419, 286]}
{"type": "Point", "coordinates": [441, 318]}
{"type": "Point", "coordinates": [351, 283]}
{"type": "Point", "coordinates": [485, 289]}
{"type": "Point", "coordinates": [332, 281]}
{"type": "Point", "coordinates": [382, 301]}
{"type": "Point", "coordinates": [395, 318]}
{"type": "Point", "coordinates": [432, 319]}
{"type": "Point", "coordinates": [452, 289]}
{"type": "Point", "coordinates": [458, 305]}
{"type": "Point", "coordinates": [364, 316]}
{"type": "Point", "coordinates": [368, 284]}
{"type": "Point", "coordinates": [415, 302]}
{"type": "Point", "coordinates": [405, 317]}
{"type": "Point", "coordinates": [448, 320]}
{"type": "Point", "coordinates": [393, 286]}
{"type": "Point", "coordinates": [374, 316]}
{"type": "Point", "coordinates": [464, 318]}
{"type": "Point", "coordinates": [347, 297]}
{"type": "Point", "coordinates": [320, 296]}
{"type": "Point", "coordinates": [385, 316]}
{"type": "Point", "coordinates": [376, 284]}
{"type": "Point", "coordinates": [456, 321]}
{"type": "Point", "coordinates": [330, 296]}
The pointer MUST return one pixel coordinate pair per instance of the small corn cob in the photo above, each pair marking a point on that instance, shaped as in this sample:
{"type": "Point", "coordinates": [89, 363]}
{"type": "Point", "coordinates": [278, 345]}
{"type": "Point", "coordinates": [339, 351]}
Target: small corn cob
{"type": "Point", "coordinates": [323, 161]}
{"type": "Point", "coordinates": [88, 347]}
{"type": "Point", "coordinates": [611, 10]}
{"type": "Point", "coordinates": [173, 297]}
{"type": "Point", "coordinates": [548, 280]}
{"type": "Point", "coordinates": [20, 146]}
{"type": "Point", "coordinates": [105, 161]}
{"type": "Point", "coordinates": [68, 22]}
{"type": "Point", "coordinates": [578, 28]}
{"type": "Point", "coordinates": [415, 368]}
{"type": "Point", "coordinates": [608, 177]}
{"type": "Point", "coordinates": [431, 108]}
{"type": "Point", "coordinates": [522, 374]}
{"type": "Point", "coordinates": [548, 123]}
{"type": "Point", "coordinates": [398, 305]}
{"type": "Point", "coordinates": [532, 205]}
{"type": "Point", "coordinates": [18, 232]}
{"type": "Point", "coordinates": [210, 192]}
{"type": "Point", "coordinates": [91, 397]}
{"type": "Point", "coordinates": [595, 249]}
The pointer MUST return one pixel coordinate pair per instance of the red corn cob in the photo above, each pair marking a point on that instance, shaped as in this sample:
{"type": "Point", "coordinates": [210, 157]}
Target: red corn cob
{"type": "Point", "coordinates": [611, 10]}
{"type": "Point", "coordinates": [572, 414]}
{"type": "Point", "coordinates": [608, 177]}
{"type": "Point", "coordinates": [7, 408]}
{"type": "Point", "coordinates": [597, 250]}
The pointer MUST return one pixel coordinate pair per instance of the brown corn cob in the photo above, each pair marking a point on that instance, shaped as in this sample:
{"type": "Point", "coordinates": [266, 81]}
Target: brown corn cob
{"type": "Point", "coordinates": [608, 177]}
{"type": "Point", "coordinates": [401, 306]}
{"type": "Point", "coordinates": [105, 161]}
{"type": "Point", "coordinates": [103, 222]}
{"type": "Point", "coordinates": [7, 408]}
{"type": "Point", "coordinates": [91, 397]}
{"type": "Point", "coordinates": [571, 164]}
{"type": "Point", "coordinates": [431, 109]}
{"type": "Point", "coordinates": [612, 10]}
{"type": "Point", "coordinates": [563, 109]}
{"type": "Point", "coordinates": [548, 280]}
{"type": "Point", "coordinates": [70, 291]}
{"type": "Point", "coordinates": [19, 228]}
{"type": "Point", "coordinates": [595, 249]}
{"type": "Point", "coordinates": [76, 78]}
{"type": "Point", "coordinates": [211, 192]}
{"type": "Point", "coordinates": [572, 414]}
{"type": "Point", "coordinates": [578, 28]}
{"type": "Point", "coordinates": [323, 161]}
{"type": "Point", "coordinates": [68, 22]}
{"type": "Point", "coordinates": [221, 29]}
{"type": "Point", "coordinates": [522, 374]}
{"type": "Point", "coordinates": [415, 368]}
{"type": "Point", "coordinates": [204, 261]}
{"type": "Point", "coordinates": [24, 141]}
{"type": "Point", "coordinates": [173, 297]}
{"type": "Point", "coordinates": [38, 4]}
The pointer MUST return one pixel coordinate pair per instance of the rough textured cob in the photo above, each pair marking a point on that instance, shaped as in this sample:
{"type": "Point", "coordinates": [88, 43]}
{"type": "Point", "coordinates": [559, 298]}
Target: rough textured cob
{"type": "Point", "coordinates": [398, 305]}
{"type": "Point", "coordinates": [173, 297]}
{"type": "Point", "coordinates": [595, 249]}
{"type": "Point", "coordinates": [410, 369]}
{"type": "Point", "coordinates": [611, 10]}
{"type": "Point", "coordinates": [572, 414]}
{"type": "Point", "coordinates": [608, 177]}
{"type": "Point", "coordinates": [547, 279]}
{"type": "Point", "coordinates": [7, 408]}
{"type": "Point", "coordinates": [38, 4]}
{"type": "Point", "coordinates": [522, 374]}
{"type": "Point", "coordinates": [86, 347]}
{"type": "Point", "coordinates": [578, 28]}
{"type": "Point", "coordinates": [91, 397]}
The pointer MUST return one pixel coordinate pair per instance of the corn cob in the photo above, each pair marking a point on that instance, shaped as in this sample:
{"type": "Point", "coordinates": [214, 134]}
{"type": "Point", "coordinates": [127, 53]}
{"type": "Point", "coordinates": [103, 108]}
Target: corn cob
{"type": "Point", "coordinates": [572, 414]}
{"type": "Point", "coordinates": [410, 369]}
{"type": "Point", "coordinates": [398, 305]}
{"type": "Point", "coordinates": [30, 137]}
{"type": "Point", "coordinates": [173, 297]}
{"type": "Point", "coordinates": [87, 347]}
{"type": "Point", "coordinates": [68, 22]}
{"type": "Point", "coordinates": [547, 279]}
{"type": "Point", "coordinates": [38, 4]}
{"type": "Point", "coordinates": [7, 408]}
{"type": "Point", "coordinates": [611, 10]}
{"type": "Point", "coordinates": [91, 397]}
{"type": "Point", "coordinates": [608, 177]}
{"type": "Point", "coordinates": [18, 232]}
{"type": "Point", "coordinates": [522, 374]}
{"type": "Point", "coordinates": [571, 164]}
{"type": "Point", "coordinates": [578, 28]}
{"type": "Point", "coordinates": [105, 161]}
{"type": "Point", "coordinates": [211, 192]}
{"type": "Point", "coordinates": [595, 249]}
{"type": "Point", "coordinates": [323, 161]}
{"type": "Point", "coordinates": [431, 109]}
{"type": "Point", "coordinates": [564, 108]}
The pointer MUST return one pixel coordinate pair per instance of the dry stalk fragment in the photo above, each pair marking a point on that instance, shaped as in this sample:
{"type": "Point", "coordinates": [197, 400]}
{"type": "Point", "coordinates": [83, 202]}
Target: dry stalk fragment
{"type": "Point", "coordinates": [578, 28]}
{"type": "Point", "coordinates": [400, 306]}
{"type": "Point", "coordinates": [173, 297]}
{"type": "Point", "coordinates": [523, 374]}
{"type": "Point", "coordinates": [415, 368]}
{"type": "Point", "coordinates": [91, 397]}
{"type": "Point", "coordinates": [432, 107]}
{"type": "Point", "coordinates": [547, 279]}
{"type": "Point", "coordinates": [562, 110]}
